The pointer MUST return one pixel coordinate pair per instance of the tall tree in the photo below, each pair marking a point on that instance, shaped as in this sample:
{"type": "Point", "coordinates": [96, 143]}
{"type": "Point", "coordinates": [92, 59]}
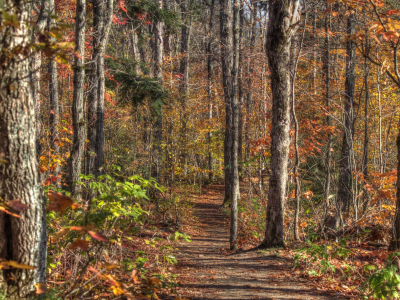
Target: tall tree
{"type": "Point", "coordinates": [229, 32]}
{"type": "Point", "coordinates": [283, 22]}
{"type": "Point", "coordinates": [78, 120]}
{"type": "Point", "coordinates": [53, 94]}
{"type": "Point", "coordinates": [21, 239]}
{"type": "Point", "coordinates": [343, 194]}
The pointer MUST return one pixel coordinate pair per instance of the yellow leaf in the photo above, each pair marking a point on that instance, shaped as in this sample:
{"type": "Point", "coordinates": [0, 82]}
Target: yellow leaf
{"type": "Point", "coordinates": [110, 266]}
{"type": "Point", "coordinates": [60, 234]}
{"type": "Point", "coordinates": [16, 265]}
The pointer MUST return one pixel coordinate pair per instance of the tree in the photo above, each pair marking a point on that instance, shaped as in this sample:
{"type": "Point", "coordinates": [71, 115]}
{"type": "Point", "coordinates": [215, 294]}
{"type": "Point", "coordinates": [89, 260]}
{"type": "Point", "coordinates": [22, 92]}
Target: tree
{"type": "Point", "coordinates": [345, 175]}
{"type": "Point", "coordinates": [22, 239]}
{"type": "Point", "coordinates": [229, 30]}
{"type": "Point", "coordinates": [78, 120]}
{"type": "Point", "coordinates": [283, 22]}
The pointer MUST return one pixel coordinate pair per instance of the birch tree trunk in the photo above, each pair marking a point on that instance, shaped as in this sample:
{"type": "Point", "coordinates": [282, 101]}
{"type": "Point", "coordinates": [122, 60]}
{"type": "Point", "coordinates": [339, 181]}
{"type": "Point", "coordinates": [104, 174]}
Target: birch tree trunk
{"type": "Point", "coordinates": [21, 239]}
{"type": "Point", "coordinates": [284, 17]}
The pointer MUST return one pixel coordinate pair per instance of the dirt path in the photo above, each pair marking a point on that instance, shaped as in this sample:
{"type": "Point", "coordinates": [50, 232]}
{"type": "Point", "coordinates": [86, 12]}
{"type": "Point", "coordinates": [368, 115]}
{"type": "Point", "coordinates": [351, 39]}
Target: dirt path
{"type": "Point", "coordinates": [208, 272]}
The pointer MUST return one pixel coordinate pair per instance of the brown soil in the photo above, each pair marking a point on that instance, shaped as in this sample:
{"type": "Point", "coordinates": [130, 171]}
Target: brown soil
{"type": "Point", "coordinates": [208, 271]}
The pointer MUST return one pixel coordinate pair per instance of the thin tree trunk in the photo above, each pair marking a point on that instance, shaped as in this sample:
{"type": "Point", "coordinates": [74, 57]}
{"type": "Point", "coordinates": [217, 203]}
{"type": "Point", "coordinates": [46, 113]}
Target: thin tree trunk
{"type": "Point", "coordinates": [366, 116]}
{"type": "Point", "coordinates": [54, 106]}
{"type": "Point", "coordinates": [328, 154]}
{"type": "Point", "coordinates": [41, 23]}
{"type": "Point", "coordinates": [93, 83]}
{"type": "Point", "coordinates": [249, 98]}
{"type": "Point", "coordinates": [101, 86]}
{"type": "Point", "coordinates": [210, 85]}
{"type": "Point", "coordinates": [296, 168]}
{"type": "Point", "coordinates": [184, 84]}
{"type": "Point", "coordinates": [233, 238]}
{"type": "Point", "coordinates": [22, 239]}
{"type": "Point", "coordinates": [343, 194]}
{"type": "Point", "coordinates": [78, 120]}
{"type": "Point", "coordinates": [282, 25]}
{"type": "Point", "coordinates": [240, 90]}
{"type": "Point", "coordinates": [226, 40]}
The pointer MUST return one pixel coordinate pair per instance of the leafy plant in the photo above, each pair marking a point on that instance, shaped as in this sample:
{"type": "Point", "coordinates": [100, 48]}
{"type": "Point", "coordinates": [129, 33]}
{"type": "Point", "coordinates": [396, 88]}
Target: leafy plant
{"type": "Point", "coordinates": [385, 282]}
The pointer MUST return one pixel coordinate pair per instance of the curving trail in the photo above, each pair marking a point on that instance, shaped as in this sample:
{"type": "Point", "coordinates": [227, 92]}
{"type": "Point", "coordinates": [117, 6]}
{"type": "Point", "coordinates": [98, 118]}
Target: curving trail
{"type": "Point", "coordinates": [206, 271]}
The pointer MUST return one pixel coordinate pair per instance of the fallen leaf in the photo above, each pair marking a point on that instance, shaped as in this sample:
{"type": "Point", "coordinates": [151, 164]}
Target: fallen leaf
{"type": "Point", "coordinates": [110, 266]}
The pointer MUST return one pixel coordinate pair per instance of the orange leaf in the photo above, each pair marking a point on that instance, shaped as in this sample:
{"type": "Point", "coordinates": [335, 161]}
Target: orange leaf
{"type": "Point", "coordinates": [98, 236]}
{"type": "Point", "coordinates": [79, 243]}
{"type": "Point", "coordinates": [8, 212]}
{"type": "Point", "coordinates": [41, 288]}
{"type": "Point", "coordinates": [58, 202]}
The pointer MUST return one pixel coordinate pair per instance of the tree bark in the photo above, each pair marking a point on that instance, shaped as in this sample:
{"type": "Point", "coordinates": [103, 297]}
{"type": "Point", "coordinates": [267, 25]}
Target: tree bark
{"type": "Point", "coordinates": [78, 120]}
{"type": "Point", "coordinates": [284, 16]}
{"type": "Point", "coordinates": [21, 239]}
{"type": "Point", "coordinates": [226, 40]}
{"type": "Point", "coordinates": [328, 154]}
{"type": "Point", "coordinates": [348, 130]}
{"type": "Point", "coordinates": [210, 85]}
{"type": "Point", "coordinates": [53, 89]}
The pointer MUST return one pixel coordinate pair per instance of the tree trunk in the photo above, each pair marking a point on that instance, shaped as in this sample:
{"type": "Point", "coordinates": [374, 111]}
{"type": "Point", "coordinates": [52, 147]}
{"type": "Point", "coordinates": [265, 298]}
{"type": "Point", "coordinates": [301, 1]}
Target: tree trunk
{"type": "Point", "coordinates": [241, 92]}
{"type": "Point", "coordinates": [233, 239]}
{"type": "Point", "coordinates": [348, 130]}
{"type": "Point", "coordinates": [93, 93]}
{"type": "Point", "coordinates": [226, 41]}
{"type": "Point", "coordinates": [296, 168]}
{"type": "Point", "coordinates": [53, 89]}
{"type": "Point", "coordinates": [41, 23]}
{"type": "Point", "coordinates": [282, 25]}
{"type": "Point", "coordinates": [101, 86]}
{"type": "Point", "coordinates": [184, 84]}
{"type": "Point", "coordinates": [210, 85]}
{"type": "Point", "coordinates": [249, 97]}
{"type": "Point", "coordinates": [21, 239]}
{"type": "Point", "coordinates": [328, 154]}
{"type": "Point", "coordinates": [78, 120]}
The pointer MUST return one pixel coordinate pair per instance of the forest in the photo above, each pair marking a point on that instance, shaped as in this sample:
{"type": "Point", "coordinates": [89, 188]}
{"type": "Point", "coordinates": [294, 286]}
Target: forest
{"type": "Point", "coordinates": [199, 149]}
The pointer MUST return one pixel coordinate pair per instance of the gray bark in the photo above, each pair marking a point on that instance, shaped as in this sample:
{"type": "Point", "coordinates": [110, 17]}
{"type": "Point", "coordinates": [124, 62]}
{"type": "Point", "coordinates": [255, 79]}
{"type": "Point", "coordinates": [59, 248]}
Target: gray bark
{"type": "Point", "coordinates": [348, 130]}
{"type": "Point", "coordinates": [78, 120]}
{"type": "Point", "coordinates": [284, 16]}
{"type": "Point", "coordinates": [21, 239]}
{"type": "Point", "coordinates": [53, 95]}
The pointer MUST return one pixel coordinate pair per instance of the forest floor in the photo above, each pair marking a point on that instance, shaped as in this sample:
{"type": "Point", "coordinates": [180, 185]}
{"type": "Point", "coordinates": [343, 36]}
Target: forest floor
{"type": "Point", "coordinates": [208, 270]}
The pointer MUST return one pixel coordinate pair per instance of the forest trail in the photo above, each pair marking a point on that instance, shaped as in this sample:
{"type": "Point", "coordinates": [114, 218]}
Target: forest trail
{"type": "Point", "coordinates": [208, 271]}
